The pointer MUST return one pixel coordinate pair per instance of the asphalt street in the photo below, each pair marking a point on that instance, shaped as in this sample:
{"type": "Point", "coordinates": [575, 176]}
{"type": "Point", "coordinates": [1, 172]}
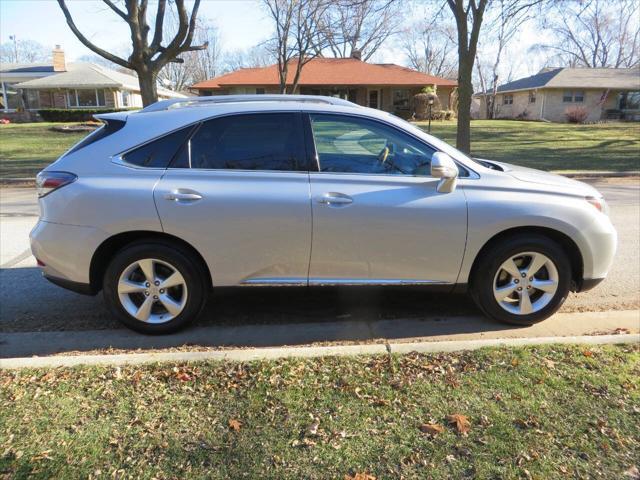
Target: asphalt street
{"type": "Point", "coordinates": [29, 303]}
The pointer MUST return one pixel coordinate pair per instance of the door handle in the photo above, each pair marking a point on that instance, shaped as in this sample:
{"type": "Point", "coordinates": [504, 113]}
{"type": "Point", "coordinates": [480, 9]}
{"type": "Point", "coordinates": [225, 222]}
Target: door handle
{"type": "Point", "coordinates": [333, 198]}
{"type": "Point", "coordinates": [183, 197]}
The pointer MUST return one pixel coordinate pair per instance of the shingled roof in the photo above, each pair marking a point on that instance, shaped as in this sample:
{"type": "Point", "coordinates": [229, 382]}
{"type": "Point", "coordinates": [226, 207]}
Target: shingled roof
{"type": "Point", "coordinates": [89, 75]}
{"type": "Point", "coordinates": [613, 78]}
{"type": "Point", "coordinates": [329, 71]}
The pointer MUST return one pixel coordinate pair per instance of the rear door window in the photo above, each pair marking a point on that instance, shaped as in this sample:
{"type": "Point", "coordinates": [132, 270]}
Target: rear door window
{"type": "Point", "coordinates": [261, 141]}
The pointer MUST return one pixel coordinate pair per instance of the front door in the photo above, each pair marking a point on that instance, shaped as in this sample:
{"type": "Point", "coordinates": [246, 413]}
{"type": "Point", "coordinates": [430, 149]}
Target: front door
{"type": "Point", "coordinates": [241, 197]}
{"type": "Point", "coordinates": [374, 99]}
{"type": "Point", "coordinates": [377, 217]}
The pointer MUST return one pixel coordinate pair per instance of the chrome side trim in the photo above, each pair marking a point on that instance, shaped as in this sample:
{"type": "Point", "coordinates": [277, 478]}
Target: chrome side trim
{"type": "Point", "coordinates": [373, 281]}
{"type": "Point", "coordinates": [275, 282]}
{"type": "Point", "coordinates": [297, 282]}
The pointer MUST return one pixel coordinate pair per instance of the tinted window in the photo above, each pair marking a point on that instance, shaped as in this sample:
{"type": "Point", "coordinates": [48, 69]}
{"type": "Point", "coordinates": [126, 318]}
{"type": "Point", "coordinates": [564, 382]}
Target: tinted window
{"type": "Point", "coordinates": [356, 145]}
{"type": "Point", "coordinates": [269, 141]}
{"type": "Point", "coordinates": [112, 126]}
{"type": "Point", "coordinates": [158, 153]}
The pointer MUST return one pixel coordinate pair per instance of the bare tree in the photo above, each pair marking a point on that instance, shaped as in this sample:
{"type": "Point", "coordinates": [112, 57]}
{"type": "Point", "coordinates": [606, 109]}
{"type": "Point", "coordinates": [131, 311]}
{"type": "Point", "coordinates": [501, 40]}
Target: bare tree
{"type": "Point", "coordinates": [299, 35]}
{"type": "Point", "coordinates": [505, 19]}
{"type": "Point", "coordinates": [23, 51]}
{"type": "Point", "coordinates": [468, 15]}
{"type": "Point", "coordinates": [147, 57]}
{"type": "Point", "coordinates": [595, 33]}
{"type": "Point", "coordinates": [256, 56]}
{"type": "Point", "coordinates": [360, 25]}
{"type": "Point", "coordinates": [197, 65]}
{"type": "Point", "coordinates": [430, 47]}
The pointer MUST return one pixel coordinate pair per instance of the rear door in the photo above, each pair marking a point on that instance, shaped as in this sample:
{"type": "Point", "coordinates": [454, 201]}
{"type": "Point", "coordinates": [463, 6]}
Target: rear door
{"type": "Point", "coordinates": [239, 193]}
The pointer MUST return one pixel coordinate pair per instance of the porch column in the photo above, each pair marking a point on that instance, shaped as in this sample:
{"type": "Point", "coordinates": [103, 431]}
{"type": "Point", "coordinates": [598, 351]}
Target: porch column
{"type": "Point", "coordinates": [4, 96]}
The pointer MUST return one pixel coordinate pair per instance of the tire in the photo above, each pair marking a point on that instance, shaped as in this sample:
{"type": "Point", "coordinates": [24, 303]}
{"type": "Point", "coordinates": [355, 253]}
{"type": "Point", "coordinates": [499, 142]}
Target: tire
{"type": "Point", "coordinates": [491, 274]}
{"type": "Point", "coordinates": [167, 310]}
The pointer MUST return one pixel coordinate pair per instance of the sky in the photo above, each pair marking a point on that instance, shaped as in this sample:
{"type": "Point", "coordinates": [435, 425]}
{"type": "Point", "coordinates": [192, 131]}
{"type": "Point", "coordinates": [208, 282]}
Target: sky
{"type": "Point", "coordinates": [241, 23]}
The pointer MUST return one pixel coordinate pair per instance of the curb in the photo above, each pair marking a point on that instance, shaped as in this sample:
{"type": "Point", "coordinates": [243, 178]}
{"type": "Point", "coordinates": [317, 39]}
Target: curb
{"type": "Point", "coordinates": [589, 174]}
{"type": "Point", "coordinates": [247, 355]}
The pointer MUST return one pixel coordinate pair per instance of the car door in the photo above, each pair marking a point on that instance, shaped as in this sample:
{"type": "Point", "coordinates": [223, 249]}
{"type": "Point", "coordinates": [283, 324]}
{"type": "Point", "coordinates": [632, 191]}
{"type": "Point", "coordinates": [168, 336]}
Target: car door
{"type": "Point", "coordinates": [377, 216]}
{"type": "Point", "coordinates": [238, 191]}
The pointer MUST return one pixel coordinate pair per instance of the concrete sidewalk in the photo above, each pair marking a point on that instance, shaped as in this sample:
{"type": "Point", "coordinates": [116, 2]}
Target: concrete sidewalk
{"type": "Point", "coordinates": [254, 354]}
{"type": "Point", "coordinates": [398, 331]}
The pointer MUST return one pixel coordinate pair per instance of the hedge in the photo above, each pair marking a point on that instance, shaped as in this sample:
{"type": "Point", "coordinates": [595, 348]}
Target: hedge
{"type": "Point", "coordinates": [75, 114]}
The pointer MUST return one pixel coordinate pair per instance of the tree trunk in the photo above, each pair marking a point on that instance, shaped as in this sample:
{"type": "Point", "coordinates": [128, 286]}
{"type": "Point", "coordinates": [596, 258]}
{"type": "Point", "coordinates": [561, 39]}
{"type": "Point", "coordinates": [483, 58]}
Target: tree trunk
{"type": "Point", "coordinates": [465, 91]}
{"type": "Point", "coordinates": [148, 87]}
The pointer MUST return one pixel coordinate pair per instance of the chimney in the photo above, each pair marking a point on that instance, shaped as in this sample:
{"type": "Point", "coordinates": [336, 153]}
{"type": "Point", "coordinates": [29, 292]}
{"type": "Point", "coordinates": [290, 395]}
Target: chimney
{"type": "Point", "coordinates": [59, 65]}
{"type": "Point", "coordinates": [357, 54]}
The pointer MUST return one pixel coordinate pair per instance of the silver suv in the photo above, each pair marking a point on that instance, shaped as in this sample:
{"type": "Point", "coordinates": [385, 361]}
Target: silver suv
{"type": "Point", "coordinates": [158, 207]}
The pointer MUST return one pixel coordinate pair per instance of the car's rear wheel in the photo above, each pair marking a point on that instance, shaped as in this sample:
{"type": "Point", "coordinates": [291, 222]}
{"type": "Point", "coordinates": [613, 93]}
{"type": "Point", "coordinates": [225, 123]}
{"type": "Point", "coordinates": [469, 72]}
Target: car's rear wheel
{"type": "Point", "coordinates": [154, 288]}
{"type": "Point", "coordinates": [522, 280]}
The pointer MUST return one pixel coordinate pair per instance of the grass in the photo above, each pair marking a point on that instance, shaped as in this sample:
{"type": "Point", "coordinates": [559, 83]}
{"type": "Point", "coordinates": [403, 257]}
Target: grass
{"type": "Point", "coordinates": [551, 146]}
{"type": "Point", "coordinates": [543, 412]}
{"type": "Point", "coordinates": [27, 148]}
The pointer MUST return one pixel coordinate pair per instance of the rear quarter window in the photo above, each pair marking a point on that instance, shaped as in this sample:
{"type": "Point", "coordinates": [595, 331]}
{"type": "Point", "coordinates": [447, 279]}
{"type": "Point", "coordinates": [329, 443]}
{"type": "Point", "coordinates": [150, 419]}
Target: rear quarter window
{"type": "Point", "coordinates": [158, 153]}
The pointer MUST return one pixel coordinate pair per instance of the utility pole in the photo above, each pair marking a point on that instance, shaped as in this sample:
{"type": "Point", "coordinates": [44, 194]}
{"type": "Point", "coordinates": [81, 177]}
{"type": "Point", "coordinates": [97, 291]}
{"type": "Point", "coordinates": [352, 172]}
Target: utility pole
{"type": "Point", "coordinates": [15, 47]}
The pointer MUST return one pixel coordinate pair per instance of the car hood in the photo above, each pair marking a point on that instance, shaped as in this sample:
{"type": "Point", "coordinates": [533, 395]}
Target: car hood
{"type": "Point", "coordinates": [531, 175]}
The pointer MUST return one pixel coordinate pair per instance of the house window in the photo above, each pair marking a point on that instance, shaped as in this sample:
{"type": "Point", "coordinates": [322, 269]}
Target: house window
{"type": "Point", "coordinates": [532, 96]}
{"type": "Point", "coordinates": [401, 99]}
{"type": "Point", "coordinates": [629, 101]}
{"type": "Point", "coordinates": [507, 99]}
{"type": "Point", "coordinates": [10, 99]}
{"type": "Point", "coordinates": [126, 98]}
{"type": "Point", "coordinates": [260, 91]}
{"type": "Point", "coordinates": [86, 98]}
{"type": "Point", "coordinates": [570, 96]}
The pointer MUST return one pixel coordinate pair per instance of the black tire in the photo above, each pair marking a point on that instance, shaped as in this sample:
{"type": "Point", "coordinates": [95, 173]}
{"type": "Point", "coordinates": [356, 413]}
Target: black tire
{"type": "Point", "coordinates": [485, 270]}
{"type": "Point", "coordinates": [182, 260]}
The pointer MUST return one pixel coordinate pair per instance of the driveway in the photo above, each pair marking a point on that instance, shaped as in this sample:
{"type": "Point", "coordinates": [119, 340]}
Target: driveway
{"type": "Point", "coordinates": [29, 303]}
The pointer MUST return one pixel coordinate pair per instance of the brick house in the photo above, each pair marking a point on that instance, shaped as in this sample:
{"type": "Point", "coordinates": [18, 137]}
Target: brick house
{"type": "Point", "coordinates": [605, 93]}
{"type": "Point", "coordinates": [384, 86]}
{"type": "Point", "coordinates": [69, 85]}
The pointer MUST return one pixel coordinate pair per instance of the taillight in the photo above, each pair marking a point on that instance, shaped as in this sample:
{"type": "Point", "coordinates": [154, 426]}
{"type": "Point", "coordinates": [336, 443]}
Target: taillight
{"type": "Point", "coordinates": [47, 182]}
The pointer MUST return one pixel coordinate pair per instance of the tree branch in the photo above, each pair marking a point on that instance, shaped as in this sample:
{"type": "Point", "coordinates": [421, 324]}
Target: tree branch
{"type": "Point", "coordinates": [86, 42]}
{"type": "Point", "coordinates": [114, 7]}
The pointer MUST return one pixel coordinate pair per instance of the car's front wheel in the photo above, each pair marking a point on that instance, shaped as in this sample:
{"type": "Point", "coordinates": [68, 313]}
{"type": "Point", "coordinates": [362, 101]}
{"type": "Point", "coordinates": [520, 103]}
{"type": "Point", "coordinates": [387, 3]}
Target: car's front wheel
{"type": "Point", "coordinates": [154, 288]}
{"type": "Point", "coordinates": [522, 280]}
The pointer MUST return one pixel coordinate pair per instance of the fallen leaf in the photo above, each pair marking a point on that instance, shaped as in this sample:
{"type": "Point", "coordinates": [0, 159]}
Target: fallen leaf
{"type": "Point", "coordinates": [235, 425]}
{"type": "Point", "coordinates": [431, 428]}
{"type": "Point", "coordinates": [633, 473]}
{"type": "Point", "coordinates": [461, 423]}
{"type": "Point", "coordinates": [359, 476]}
{"type": "Point", "coordinates": [587, 353]}
{"type": "Point", "coordinates": [183, 376]}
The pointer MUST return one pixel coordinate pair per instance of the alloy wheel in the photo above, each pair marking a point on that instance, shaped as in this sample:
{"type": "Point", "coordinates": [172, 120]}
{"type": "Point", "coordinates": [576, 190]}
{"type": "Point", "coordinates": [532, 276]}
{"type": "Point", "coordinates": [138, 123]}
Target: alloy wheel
{"type": "Point", "coordinates": [152, 291]}
{"type": "Point", "coordinates": [525, 283]}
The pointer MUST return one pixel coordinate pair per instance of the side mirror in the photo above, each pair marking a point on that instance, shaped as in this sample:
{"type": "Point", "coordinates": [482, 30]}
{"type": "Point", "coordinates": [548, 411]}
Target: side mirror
{"type": "Point", "coordinates": [444, 168]}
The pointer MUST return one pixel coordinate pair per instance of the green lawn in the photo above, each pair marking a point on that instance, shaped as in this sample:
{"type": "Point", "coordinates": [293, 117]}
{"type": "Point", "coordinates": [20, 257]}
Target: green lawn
{"type": "Point", "coordinates": [27, 148]}
{"type": "Point", "coordinates": [543, 412]}
{"type": "Point", "coordinates": [551, 146]}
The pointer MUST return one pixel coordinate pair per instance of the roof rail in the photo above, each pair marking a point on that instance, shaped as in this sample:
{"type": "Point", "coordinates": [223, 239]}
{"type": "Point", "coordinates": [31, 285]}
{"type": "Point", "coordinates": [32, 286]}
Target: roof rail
{"type": "Point", "coordinates": [216, 99]}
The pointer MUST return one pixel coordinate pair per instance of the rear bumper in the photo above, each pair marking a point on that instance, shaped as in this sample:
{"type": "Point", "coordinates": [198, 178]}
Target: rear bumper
{"type": "Point", "coordinates": [82, 288]}
{"type": "Point", "coordinates": [65, 250]}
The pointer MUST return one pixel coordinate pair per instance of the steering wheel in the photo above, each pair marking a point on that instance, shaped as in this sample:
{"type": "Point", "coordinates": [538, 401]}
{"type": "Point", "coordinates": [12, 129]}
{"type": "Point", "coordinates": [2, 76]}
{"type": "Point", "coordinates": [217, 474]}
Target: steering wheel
{"type": "Point", "coordinates": [384, 154]}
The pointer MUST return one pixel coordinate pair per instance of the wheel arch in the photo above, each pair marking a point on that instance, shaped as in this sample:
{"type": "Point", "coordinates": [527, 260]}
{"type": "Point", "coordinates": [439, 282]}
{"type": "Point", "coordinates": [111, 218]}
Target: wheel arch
{"type": "Point", "coordinates": [566, 243]}
{"type": "Point", "coordinates": [108, 248]}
